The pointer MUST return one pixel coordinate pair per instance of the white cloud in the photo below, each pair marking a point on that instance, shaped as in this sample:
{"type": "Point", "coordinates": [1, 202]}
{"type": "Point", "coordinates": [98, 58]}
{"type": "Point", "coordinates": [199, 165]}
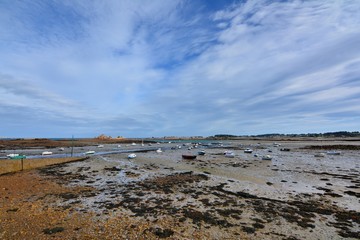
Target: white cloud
{"type": "Point", "coordinates": [167, 68]}
{"type": "Point", "coordinates": [269, 52]}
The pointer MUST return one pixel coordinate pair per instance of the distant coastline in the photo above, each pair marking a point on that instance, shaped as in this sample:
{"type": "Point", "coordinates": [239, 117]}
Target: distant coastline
{"type": "Point", "coordinates": [338, 134]}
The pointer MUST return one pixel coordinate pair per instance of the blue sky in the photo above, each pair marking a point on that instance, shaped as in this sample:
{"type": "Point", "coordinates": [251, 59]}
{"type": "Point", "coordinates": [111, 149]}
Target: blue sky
{"type": "Point", "coordinates": [160, 68]}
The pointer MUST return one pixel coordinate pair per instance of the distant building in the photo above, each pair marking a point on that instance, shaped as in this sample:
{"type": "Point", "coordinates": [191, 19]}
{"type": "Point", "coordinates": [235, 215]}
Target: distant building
{"type": "Point", "coordinates": [103, 137]}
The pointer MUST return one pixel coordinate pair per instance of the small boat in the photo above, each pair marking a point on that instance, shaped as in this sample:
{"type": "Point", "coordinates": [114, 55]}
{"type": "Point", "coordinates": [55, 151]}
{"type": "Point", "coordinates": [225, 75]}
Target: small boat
{"type": "Point", "coordinates": [46, 153]}
{"type": "Point", "coordinates": [159, 150]}
{"type": "Point", "coordinates": [12, 155]}
{"type": "Point", "coordinates": [319, 155]}
{"type": "Point", "coordinates": [248, 150]}
{"type": "Point", "coordinates": [119, 146]}
{"type": "Point", "coordinates": [229, 154]}
{"type": "Point", "coordinates": [266, 157]}
{"type": "Point", "coordinates": [61, 149]}
{"type": "Point", "coordinates": [285, 149]}
{"type": "Point", "coordinates": [185, 156]}
{"type": "Point", "coordinates": [133, 144]}
{"type": "Point", "coordinates": [18, 157]}
{"type": "Point", "coordinates": [131, 156]}
{"type": "Point", "coordinates": [100, 146]}
{"type": "Point", "coordinates": [333, 153]}
{"type": "Point", "coordinates": [201, 153]}
{"type": "Point", "coordinates": [89, 152]}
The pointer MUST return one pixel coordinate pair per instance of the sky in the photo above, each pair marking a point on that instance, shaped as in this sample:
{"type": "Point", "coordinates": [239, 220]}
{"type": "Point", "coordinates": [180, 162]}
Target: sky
{"type": "Point", "coordinates": [178, 68]}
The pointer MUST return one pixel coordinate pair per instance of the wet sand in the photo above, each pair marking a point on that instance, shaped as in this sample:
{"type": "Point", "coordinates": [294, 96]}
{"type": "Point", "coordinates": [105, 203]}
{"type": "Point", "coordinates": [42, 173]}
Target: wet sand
{"type": "Point", "coordinates": [159, 195]}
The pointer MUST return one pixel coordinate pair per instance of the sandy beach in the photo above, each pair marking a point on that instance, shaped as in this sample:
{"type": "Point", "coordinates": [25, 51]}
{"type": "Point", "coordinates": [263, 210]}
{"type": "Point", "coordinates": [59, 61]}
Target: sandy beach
{"type": "Point", "coordinates": [296, 195]}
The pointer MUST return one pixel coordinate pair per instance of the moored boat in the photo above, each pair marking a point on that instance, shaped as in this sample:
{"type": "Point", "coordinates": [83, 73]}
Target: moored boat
{"type": "Point", "coordinates": [188, 156]}
{"type": "Point", "coordinates": [266, 157]}
{"type": "Point", "coordinates": [131, 156]}
{"type": "Point", "coordinates": [229, 154]}
{"type": "Point", "coordinates": [89, 152]}
{"type": "Point", "coordinates": [285, 149]}
{"type": "Point", "coordinates": [201, 153]}
{"type": "Point", "coordinates": [18, 157]}
{"type": "Point", "coordinates": [333, 153]}
{"type": "Point", "coordinates": [46, 153]}
{"type": "Point", "coordinates": [248, 150]}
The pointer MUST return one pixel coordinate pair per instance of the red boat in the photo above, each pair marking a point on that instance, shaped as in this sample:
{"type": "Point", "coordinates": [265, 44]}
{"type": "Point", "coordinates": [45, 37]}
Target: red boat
{"type": "Point", "coordinates": [188, 156]}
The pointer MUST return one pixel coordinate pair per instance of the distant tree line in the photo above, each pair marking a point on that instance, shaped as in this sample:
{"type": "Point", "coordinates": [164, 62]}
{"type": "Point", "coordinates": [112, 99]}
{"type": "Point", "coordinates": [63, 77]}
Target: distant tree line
{"type": "Point", "coordinates": [273, 135]}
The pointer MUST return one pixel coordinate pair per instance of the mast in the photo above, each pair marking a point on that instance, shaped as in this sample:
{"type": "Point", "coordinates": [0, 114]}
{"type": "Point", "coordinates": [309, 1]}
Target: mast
{"type": "Point", "coordinates": [72, 145]}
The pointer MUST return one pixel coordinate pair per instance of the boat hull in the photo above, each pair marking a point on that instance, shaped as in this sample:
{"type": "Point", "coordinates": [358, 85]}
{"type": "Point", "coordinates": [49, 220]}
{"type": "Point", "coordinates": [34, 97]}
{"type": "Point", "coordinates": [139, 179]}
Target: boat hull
{"type": "Point", "coordinates": [18, 157]}
{"type": "Point", "coordinates": [189, 156]}
{"type": "Point", "coordinates": [201, 153]}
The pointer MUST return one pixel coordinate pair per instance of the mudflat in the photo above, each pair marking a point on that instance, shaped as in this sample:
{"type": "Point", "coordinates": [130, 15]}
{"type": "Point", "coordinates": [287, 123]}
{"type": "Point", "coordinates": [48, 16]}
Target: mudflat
{"type": "Point", "coordinates": [298, 194]}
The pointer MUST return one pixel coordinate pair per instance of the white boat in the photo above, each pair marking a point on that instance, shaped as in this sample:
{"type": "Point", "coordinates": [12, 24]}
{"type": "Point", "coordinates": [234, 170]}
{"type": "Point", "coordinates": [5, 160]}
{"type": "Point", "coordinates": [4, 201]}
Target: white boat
{"type": "Point", "coordinates": [46, 153]}
{"type": "Point", "coordinates": [159, 150]}
{"type": "Point", "coordinates": [61, 149]}
{"type": "Point", "coordinates": [119, 146]}
{"type": "Point", "coordinates": [89, 152]}
{"type": "Point", "coordinates": [229, 154]}
{"type": "Point", "coordinates": [131, 156]}
{"type": "Point", "coordinates": [266, 157]}
{"type": "Point", "coordinates": [248, 150]}
{"type": "Point", "coordinates": [133, 144]}
{"type": "Point", "coordinates": [11, 155]}
{"type": "Point", "coordinates": [100, 146]}
{"type": "Point", "coordinates": [333, 153]}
